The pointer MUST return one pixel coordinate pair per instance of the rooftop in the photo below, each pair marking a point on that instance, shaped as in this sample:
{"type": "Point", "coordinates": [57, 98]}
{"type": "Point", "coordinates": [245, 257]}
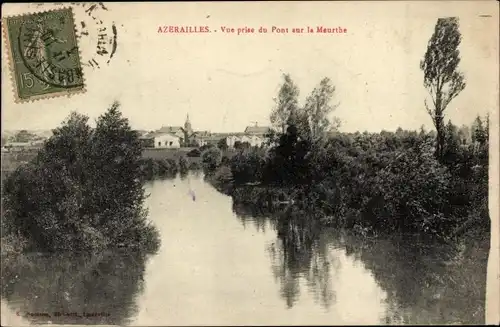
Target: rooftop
{"type": "Point", "coordinates": [257, 129]}
{"type": "Point", "coordinates": [170, 129]}
{"type": "Point", "coordinates": [156, 134]}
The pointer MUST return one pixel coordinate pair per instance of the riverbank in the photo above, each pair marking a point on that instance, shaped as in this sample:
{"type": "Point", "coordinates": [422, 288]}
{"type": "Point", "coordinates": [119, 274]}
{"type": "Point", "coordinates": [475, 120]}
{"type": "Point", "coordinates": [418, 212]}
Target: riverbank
{"type": "Point", "coordinates": [380, 183]}
{"type": "Point", "coordinates": [274, 199]}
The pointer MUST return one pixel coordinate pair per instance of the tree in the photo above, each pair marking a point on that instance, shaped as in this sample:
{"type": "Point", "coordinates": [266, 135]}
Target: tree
{"type": "Point", "coordinates": [299, 118]}
{"type": "Point", "coordinates": [117, 193]}
{"type": "Point", "coordinates": [464, 134]}
{"type": "Point", "coordinates": [318, 109]}
{"type": "Point", "coordinates": [116, 154]}
{"type": "Point", "coordinates": [286, 102]}
{"type": "Point", "coordinates": [451, 145]}
{"type": "Point", "coordinates": [45, 199]}
{"type": "Point", "coordinates": [247, 166]}
{"type": "Point", "coordinates": [222, 144]}
{"type": "Point", "coordinates": [442, 79]}
{"type": "Point", "coordinates": [479, 133]}
{"type": "Point", "coordinates": [487, 127]}
{"type": "Point", "coordinates": [83, 190]}
{"type": "Point", "coordinates": [422, 132]}
{"type": "Point", "coordinates": [23, 136]}
{"type": "Point", "coordinates": [211, 159]}
{"type": "Point", "coordinates": [287, 162]}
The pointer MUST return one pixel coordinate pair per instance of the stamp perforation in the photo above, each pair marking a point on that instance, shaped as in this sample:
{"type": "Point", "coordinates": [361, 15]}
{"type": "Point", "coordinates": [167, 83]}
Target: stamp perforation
{"type": "Point", "coordinates": [11, 63]}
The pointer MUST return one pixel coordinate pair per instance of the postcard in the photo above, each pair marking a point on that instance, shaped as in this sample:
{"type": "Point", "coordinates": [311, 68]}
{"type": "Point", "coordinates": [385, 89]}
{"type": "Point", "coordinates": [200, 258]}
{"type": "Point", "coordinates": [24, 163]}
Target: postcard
{"type": "Point", "coordinates": [250, 163]}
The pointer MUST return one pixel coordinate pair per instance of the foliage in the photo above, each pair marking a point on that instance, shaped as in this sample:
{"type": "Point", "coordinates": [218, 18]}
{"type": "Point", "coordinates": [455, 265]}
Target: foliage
{"type": "Point", "coordinates": [222, 144]}
{"type": "Point", "coordinates": [287, 162]}
{"type": "Point", "coordinates": [479, 132]}
{"type": "Point", "coordinates": [441, 76]}
{"type": "Point", "coordinates": [83, 190]}
{"type": "Point", "coordinates": [23, 136]}
{"type": "Point", "coordinates": [317, 110]}
{"type": "Point", "coordinates": [205, 147]}
{"type": "Point", "coordinates": [247, 166]}
{"type": "Point", "coordinates": [285, 103]}
{"type": "Point", "coordinates": [312, 121]}
{"type": "Point", "coordinates": [211, 159]}
{"type": "Point", "coordinates": [375, 182]}
{"type": "Point", "coordinates": [238, 145]}
{"type": "Point", "coordinates": [194, 153]}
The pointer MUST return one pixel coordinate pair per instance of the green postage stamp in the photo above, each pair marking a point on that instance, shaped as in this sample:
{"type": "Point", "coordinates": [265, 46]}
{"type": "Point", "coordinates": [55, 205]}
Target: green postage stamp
{"type": "Point", "coordinates": [43, 54]}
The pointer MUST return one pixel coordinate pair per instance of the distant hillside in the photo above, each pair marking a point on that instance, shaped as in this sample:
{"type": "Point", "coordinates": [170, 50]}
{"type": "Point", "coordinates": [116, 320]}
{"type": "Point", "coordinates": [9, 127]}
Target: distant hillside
{"type": "Point", "coordinates": [45, 133]}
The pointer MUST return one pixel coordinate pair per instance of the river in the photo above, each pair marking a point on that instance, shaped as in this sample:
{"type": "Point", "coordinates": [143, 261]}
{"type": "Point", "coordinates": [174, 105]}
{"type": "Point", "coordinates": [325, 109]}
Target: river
{"type": "Point", "coordinates": [223, 264]}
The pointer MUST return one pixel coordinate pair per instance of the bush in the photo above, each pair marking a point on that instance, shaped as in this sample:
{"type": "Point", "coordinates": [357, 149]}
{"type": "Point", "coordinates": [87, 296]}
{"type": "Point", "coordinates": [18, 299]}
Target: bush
{"type": "Point", "coordinates": [414, 190]}
{"type": "Point", "coordinates": [211, 159]}
{"type": "Point", "coordinates": [84, 189]}
{"type": "Point", "coordinates": [247, 166]}
{"type": "Point", "coordinates": [194, 153]}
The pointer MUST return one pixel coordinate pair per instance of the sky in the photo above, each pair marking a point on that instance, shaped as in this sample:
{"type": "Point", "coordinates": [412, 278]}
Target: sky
{"type": "Point", "coordinates": [226, 81]}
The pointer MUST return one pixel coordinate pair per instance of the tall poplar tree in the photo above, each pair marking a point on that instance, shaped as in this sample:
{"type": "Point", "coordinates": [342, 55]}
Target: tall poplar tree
{"type": "Point", "coordinates": [442, 79]}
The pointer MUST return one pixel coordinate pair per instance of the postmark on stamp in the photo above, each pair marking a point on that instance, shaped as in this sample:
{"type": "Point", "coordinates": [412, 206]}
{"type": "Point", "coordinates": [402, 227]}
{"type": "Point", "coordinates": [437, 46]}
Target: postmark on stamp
{"type": "Point", "coordinates": [44, 55]}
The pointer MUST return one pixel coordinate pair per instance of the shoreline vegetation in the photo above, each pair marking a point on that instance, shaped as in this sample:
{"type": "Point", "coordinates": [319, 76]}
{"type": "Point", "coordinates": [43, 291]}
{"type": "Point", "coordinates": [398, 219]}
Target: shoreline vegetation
{"type": "Point", "coordinates": [372, 184]}
{"type": "Point", "coordinates": [84, 189]}
{"type": "Point", "coordinates": [82, 192]}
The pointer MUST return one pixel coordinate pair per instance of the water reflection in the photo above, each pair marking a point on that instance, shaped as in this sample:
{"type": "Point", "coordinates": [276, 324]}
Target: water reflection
{"type": "Point", "coordinates": [73, 289]}
{"type": "Point", "coordinates": [298, 253]}
{"type": "Point", "coordinates": [426, 283]}
{"type": "Point", "coordinates": [423, 283]}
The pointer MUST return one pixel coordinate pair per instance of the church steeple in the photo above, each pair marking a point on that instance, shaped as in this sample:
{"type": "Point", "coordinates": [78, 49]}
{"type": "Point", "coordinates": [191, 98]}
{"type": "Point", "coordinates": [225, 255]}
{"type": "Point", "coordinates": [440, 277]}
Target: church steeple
{"type": "Point", "coordinates": [187, 124]}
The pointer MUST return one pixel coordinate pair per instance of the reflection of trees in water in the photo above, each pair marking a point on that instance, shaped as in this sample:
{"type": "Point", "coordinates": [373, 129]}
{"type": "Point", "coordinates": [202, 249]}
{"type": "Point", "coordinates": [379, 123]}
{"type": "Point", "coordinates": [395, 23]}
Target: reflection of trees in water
{"type": "Point", "coordinates": [298, 253]}
{"type": "Point", "coordinates": [303, 254]}
{"type": "Point", "coordinates": [425, 283]}
{"type": "Point", "coordinates": [104, 284]}
{"type": "Point", "coordinates": [253, 214]}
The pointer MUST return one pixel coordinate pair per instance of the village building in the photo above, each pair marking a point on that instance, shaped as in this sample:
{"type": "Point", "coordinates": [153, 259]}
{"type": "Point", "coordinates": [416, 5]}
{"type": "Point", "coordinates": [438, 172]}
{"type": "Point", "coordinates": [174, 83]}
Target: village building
{"type": "Point", "coordinates": [160, 140]}
{"type": "Point", "coordinates": [260, 131]}
{"type": "Point", "coordinates": [200, 138]}
{"type": "Point", "coordinates": [254, 136]}
{"type": "Point", "coordinates": [174, 130]}
{"type": "Point", "coordinates": [186, 133]}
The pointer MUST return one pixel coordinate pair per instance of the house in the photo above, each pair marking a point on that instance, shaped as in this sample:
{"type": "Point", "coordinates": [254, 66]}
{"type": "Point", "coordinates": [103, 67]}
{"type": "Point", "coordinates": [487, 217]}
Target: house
{"type": "Point", "coordinates": [175, 130]}
{"type": "Point", "coordinates": [200, 138]}
{"type": "Point", "coordinates": [160, 140]}
{"type": "Point", "coordinates": [260, 131]}
{"type": "Point", "coordinates": [214, 139]}
{"type": "Point", "coordinates": [233, 138]}
{"type": "Point", "coordinates": [185, 133]}
{"type": "Point", "coordinates": [252, 140]}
